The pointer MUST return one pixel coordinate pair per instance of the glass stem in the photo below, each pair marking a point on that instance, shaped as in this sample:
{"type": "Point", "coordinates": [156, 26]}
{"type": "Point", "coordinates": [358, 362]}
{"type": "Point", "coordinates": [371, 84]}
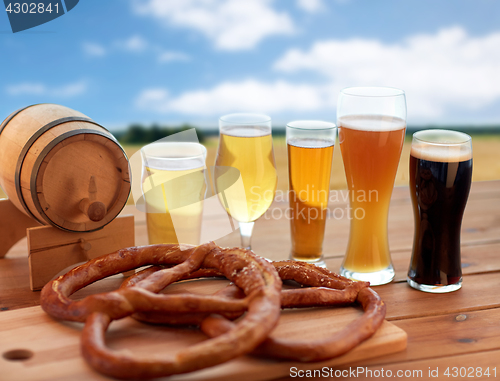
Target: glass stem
{"type": "Point", "coordinates": [246, 229]}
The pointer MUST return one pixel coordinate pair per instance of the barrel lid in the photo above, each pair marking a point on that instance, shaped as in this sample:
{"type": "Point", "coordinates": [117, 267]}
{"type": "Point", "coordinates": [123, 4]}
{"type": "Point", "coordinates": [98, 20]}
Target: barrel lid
{"type": "Point", "coordinates": [81, 180]}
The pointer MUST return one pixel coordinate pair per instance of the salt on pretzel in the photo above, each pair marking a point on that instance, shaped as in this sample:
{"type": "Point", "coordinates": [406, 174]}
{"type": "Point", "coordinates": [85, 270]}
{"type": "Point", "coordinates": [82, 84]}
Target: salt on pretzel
{"type": "Point", "coordinates": [326, 289]}
{"type": "Point", "coordinates": [256, 277]}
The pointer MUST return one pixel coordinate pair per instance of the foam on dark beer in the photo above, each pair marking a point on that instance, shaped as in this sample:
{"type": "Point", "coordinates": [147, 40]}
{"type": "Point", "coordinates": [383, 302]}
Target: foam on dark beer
{"type": "Point", "coordinates": [447, 148]}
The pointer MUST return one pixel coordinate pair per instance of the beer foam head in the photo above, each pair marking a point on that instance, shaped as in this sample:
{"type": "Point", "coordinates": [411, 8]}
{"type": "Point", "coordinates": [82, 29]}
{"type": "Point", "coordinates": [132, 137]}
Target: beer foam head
{"type": "Point", "coordinates": [245, 131]}
{"type": "Point", "coordinates": [311, 143]}
{"type": "Point", "coordinates": [174, 156]}
{"type": "Point", "coordinates": [245, 125]}
{"type": "Point", "coordinates": [311, 133]}
{"type": "Point", "coordinates": [441, 146]}
{"type": "Point", "coordinates": [311, 125]}
{"type": "Point", "coordinates": [371, 122]}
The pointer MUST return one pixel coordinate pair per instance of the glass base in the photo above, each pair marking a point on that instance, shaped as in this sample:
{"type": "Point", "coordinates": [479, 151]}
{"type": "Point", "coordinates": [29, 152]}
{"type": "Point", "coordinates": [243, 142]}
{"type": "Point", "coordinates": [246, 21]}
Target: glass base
{"type": "Point", "coordinates": [318, 262]}
{"type": "Point", "coordinates": [376, 278]}
{"type": "Point", "coordinates": [436, 289]}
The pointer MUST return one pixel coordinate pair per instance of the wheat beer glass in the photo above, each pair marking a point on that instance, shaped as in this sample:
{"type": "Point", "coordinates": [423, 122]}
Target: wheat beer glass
{"type": "Point", "coordinates": [245, 143]}
{"type": "Point", "coordinates": [310, 152]}
{"type": "Point", "coordinates": [173, 184]}
{"type": "Point", "coordinates": [440, 179]}
{"type": "Point", "coordinates": [372, 124]}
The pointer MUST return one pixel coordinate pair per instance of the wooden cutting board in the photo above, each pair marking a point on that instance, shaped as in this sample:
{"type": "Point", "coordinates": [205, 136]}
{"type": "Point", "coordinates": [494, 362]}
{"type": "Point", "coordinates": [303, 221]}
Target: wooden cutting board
{"type": "Point", "coordinates": [54, 346]}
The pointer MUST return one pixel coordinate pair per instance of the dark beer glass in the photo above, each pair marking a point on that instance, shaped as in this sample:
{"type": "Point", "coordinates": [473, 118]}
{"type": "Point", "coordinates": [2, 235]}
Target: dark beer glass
{"type": "Point", "coordinates": [440, 179]}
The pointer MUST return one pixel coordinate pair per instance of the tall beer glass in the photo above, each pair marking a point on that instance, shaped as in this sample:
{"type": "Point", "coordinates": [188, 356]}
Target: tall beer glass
{"type": "Point", "coordinates": [310, 152]}
{"type": "Point", "coordinates": [372, 124]}
{"type": "Point", "coordinates": [173, 184]}
{"type": "Point", "coordinates": [246, 144]}
{"type": "Point", "coordinates": [440, 179]}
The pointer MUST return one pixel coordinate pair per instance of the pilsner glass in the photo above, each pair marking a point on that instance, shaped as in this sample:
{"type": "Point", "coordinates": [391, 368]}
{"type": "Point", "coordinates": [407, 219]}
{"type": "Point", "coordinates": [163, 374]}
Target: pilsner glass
{"type": "Point", "coordinates": [372, 125]}
{"type": "Point", "coordinates": [173, 184]}
{"type": "Point", "coordinates": [440, 179]}
{"type": "Point", "coordinates": [310, 151]}
{"type": "Point", "coordinates": [246, 144]}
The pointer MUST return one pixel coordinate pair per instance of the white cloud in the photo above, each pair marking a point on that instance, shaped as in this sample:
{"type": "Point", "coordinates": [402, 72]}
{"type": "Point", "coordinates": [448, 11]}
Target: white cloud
{"type": "Point", "coordinates": [26, 88]}
{"type": "Point", "coordinates": [171, 56]}
{"type": "Point", "coordinates": [93, 49]}
{"type": "Point", "coordinates": [439, 72]}
{"type": "Point", "coordinates": [230, 24]}
{"type": "Point", "coordinates": [137, 45]}
{"type": "Point", "coordinates": [134, 44]}
{"type": "Point", "coordinates": [36, 88]}
{"type": "Point", "coordinates": [443, 74]}
{"type": "Point", "coordinates": [248, 95]}
{"type": "Point", "coordinates": [311, 6]}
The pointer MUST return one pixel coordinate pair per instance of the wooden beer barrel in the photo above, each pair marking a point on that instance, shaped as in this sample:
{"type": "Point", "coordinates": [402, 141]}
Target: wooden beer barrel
{"type": "Point", "coordinates": [62, 168]}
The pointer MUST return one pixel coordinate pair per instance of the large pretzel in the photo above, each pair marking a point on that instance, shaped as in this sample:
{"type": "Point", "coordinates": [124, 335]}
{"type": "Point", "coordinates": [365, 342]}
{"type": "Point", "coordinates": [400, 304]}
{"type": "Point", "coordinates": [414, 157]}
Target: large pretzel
{"type": "Point", "coordinates": [327, 289]}
{"type": "Point", "coordinates": [255, 276]}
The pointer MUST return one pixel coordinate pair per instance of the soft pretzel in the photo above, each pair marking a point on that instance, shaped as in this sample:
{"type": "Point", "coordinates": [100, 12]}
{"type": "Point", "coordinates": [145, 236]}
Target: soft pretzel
{"type": "Point", "coordinates": [256, 277]}
{"type": "Point", "coordinates": [326, 289]}
{"type": "Point", "coordinates": [315, 350]}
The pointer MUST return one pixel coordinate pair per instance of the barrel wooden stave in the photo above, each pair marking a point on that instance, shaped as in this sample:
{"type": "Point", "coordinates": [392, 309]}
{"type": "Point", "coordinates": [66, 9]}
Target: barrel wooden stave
{"type": "Point", "coordinates": [12, 141]}
{"type": "Point", "coordinates": [76, 147]}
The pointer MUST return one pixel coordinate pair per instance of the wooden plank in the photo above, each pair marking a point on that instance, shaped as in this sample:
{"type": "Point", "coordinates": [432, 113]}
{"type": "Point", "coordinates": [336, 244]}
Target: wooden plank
{"type": "Point", "coordinates": [452, 340]}
{"type": "Point", "coordinates": [13, 225]}
{"type": "Point", "coordinates": [404, 302]}
{"type": "Point", "coordinates": [480, 258]}
{"type": "Point", "coordinates": [485, 187]}
{"type": "Point", "coordinates": [52, 250]}
{"type": "Point", "coordinates": [15, 290]}
{"type": "Point", "coordinates": [449, 334]}
{"type": "Point", "coordinates": [55, 345]}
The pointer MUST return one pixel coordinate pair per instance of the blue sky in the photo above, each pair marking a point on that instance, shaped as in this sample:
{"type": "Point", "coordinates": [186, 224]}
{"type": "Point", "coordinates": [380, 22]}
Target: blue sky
{"type": "Point", "coordinates": [175, 61]}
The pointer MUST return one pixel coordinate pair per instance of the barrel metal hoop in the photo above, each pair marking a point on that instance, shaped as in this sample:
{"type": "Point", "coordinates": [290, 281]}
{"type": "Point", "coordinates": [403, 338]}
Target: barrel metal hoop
{"type": "Point", "coordinates": [41, 158]}
{"type": "Point", "coordinates": [29, 144]}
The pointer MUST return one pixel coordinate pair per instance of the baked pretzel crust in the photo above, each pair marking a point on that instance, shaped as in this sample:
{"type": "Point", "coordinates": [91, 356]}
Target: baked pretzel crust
{"type": "Point", "coordinates": [325, 289]}
{"type": "Point", "coordinates": [255, 276]}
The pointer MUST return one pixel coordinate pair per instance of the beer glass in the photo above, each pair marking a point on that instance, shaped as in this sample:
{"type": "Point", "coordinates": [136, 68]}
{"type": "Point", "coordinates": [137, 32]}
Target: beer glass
{"type": "Point", "coordinates": [245, 143]}
{"type": "Point", "coordinates": [372, 125]}
{"type": "Point", "coordinates": [173, 184]}
{"type": "Point", "coordinates": [310, 152]}
{"type": "Point", "coordinates": [440, 179]}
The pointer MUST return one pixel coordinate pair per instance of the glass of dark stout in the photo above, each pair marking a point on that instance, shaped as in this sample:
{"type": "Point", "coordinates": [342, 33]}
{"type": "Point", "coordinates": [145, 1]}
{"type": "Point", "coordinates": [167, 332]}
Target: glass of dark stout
{"type": "Point", "coordinates": [440, 179]}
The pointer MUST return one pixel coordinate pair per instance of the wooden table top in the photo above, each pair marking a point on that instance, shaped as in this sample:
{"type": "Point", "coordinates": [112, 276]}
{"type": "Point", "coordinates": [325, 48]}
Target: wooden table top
{"type": "Point", "coordinates": [459, 329]}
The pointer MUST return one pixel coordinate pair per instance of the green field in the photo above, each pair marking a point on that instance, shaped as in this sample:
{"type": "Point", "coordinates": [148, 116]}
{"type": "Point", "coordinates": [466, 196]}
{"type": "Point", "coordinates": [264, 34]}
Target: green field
{"type": "Point", "coordinates": [486, 152]}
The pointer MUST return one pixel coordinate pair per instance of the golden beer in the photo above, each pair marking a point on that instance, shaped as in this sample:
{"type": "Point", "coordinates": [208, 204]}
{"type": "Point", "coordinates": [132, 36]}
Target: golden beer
{"type": "Point", "coordinates": [371, 148]}
{"type": "Point", "coordinates": [309, 168]}
{"type": "Point", "coordinates": [173, 185]}
{"type": "Point", "coordinates": [160, 220]}
{"type": "Point", "coordinates": [250, 150]}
